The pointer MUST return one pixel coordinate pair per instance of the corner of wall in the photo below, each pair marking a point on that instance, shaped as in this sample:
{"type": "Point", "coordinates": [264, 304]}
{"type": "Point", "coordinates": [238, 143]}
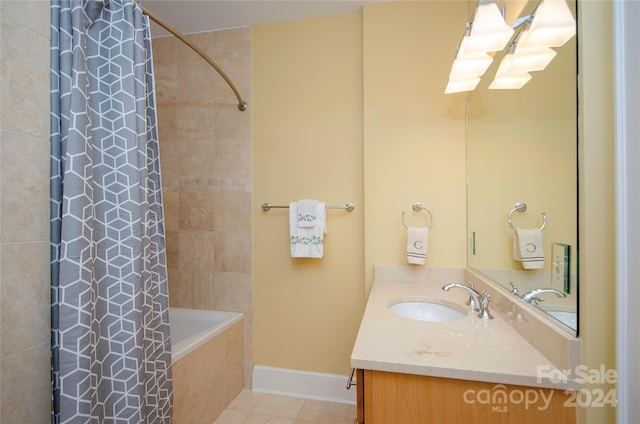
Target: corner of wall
{"type": "Point", "coordinates": [597, 188]}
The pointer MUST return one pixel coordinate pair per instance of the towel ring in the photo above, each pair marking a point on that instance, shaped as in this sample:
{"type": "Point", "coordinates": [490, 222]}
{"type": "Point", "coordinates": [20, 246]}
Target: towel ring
{"type": "Point", "coordinates": [417, 206]}
{"type": "Point", "coordinates": [521, 207]}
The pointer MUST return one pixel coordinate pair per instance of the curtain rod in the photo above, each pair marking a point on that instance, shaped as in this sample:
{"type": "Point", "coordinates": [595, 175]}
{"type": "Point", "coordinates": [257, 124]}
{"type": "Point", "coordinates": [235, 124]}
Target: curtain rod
{"type": "Point", "coordinates": [242, 105]}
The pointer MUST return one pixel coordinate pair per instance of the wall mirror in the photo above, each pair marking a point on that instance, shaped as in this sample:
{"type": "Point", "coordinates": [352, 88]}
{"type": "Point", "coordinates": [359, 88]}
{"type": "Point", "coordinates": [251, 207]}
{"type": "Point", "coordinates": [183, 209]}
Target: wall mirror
{"type": "Point", "coordinates": [522, 149]}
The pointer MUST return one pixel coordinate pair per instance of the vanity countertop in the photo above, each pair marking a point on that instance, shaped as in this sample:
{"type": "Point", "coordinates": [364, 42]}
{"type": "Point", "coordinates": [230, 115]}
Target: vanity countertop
{"type": "Point", "coordinates": [467, 349]}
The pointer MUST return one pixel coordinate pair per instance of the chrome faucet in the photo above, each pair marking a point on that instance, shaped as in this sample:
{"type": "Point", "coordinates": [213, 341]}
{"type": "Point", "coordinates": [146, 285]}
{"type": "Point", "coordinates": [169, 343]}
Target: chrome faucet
{"type": "Point", "coordinates": [479, 302]}
{"type": "Point", "coordinates": [475, 296]}
{"type": "Point", "coordinates": [533, 298]}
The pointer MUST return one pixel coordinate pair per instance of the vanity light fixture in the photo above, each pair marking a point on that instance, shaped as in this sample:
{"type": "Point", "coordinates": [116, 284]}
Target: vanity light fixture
{"type": "Point", "coordinates": [513, 72]}
{"type": "Point", "coordinates": [550, 25]}
{"type": "Point", "coordinates": [485, 32]}
{"type": "Point", "coordinates": [488, 30]}
{"type": "Point", "coordinates": [467, 68]}
{"type": "Point", "coordinates": [531, 59]}
{"type": "Point", "coordinates": [468, 63]}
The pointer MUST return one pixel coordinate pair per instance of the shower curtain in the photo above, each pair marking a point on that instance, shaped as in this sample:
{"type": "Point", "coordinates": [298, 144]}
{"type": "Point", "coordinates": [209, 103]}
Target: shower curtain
{"type": "Point", "coordinates": [111, 355]}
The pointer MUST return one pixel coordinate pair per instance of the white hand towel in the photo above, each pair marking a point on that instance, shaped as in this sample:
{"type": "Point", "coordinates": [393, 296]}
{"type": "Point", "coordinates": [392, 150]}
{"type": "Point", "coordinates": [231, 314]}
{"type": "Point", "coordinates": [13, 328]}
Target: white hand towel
{"type": "Point", "coordinates": [307, 242]}
{"type": "Point", "coordinates": [307, 210]}
{"type": "Point", "coordinates": [417, 241]}
{"type": "Point", "coordinates": [527, 248]}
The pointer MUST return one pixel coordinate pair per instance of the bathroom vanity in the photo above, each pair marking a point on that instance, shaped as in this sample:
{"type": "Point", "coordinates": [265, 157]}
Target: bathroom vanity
{"type": "Point", "coordinates": [465, 369]}
{"type": "Point", "coordinates": [407, 398]}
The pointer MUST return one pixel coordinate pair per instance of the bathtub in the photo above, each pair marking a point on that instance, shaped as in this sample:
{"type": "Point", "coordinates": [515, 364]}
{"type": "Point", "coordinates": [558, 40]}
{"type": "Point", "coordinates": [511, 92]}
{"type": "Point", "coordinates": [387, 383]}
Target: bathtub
{"type": "Point", "coordinates": [207, 352]}
{"type": "Point", "coordinates": [191, 328]}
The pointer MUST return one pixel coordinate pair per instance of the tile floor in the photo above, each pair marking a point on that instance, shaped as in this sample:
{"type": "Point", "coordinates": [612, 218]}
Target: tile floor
{"type": "Point", "coordinates": [262, 408]}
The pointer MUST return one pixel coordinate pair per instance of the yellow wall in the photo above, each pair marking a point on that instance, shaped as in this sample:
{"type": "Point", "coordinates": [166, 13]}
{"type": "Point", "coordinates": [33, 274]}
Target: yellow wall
{"type": "Point", "coordinates": [336, 99]}
{"type": "Point", "coordinates": [351, 108]}
{"type": "Point", "coordinates": [307, 143]}
{"type": "Point", "coordinates": [414, 145]}
{"type": "Point", "coordinates": [597, 190]}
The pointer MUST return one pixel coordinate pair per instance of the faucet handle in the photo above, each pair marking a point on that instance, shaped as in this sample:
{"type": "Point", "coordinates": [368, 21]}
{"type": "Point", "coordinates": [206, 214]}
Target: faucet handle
{"type": "Point", "coordinates": [514, 288]}
{"type": "Point", "coordinates": [534, 300]}
{"type": "Point", "coordinates": [470, 301]}
{"type": "Point", "coordinates": [484, 312]}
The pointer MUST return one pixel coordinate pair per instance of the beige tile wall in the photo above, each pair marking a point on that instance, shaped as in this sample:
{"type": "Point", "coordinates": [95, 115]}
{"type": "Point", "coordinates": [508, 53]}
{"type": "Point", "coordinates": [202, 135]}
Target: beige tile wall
{"type": "Point", "coordinates": [24, 212]}
{"type": "Point", "coordinates": [205, 153]}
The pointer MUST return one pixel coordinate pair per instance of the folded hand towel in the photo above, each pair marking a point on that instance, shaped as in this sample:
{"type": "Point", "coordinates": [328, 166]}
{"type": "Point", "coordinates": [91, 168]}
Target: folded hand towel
{"type": "Point", "coordinates": [527, 248]}
{"type": "Point", "coordinates": [417, 241]}
{"type": "Point", "coordinates": [306, 242]}
{"type": "Point", "coordinates": [307, 210]}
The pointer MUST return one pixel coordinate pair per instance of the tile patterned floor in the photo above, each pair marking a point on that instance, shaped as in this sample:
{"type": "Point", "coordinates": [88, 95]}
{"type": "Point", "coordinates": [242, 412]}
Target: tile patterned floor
{"type": "Point", "coordinates": [261, 408]}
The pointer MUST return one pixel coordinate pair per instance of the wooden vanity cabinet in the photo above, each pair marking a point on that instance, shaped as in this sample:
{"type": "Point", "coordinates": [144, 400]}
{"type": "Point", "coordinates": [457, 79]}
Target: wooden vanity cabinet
{"type": "Point", "coordinates": [386, 398]}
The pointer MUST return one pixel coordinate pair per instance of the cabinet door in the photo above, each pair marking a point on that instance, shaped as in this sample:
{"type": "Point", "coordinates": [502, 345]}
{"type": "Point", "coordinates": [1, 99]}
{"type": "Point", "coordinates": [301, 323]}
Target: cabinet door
{"type": "Point", "coordinates": [408, 399]}
{"type": "Point", "coordinates": [360, 396]}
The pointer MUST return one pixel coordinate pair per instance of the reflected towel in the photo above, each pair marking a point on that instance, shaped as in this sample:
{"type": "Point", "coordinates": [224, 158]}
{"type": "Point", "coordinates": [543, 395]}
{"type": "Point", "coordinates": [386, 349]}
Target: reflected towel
{"type": "Point", "coordinates": [527, 248]}
{"type": "Point", "coordinates": [417, 241]}
{"type": "Point", "coordinates": [307, 242]}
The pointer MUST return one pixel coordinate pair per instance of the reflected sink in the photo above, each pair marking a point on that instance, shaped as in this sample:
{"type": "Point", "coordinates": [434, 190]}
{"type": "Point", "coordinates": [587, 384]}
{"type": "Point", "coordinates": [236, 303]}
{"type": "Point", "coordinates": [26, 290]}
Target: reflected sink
{"type": "Point", "coordinates": [427, 310]}
{"type": "Point", "coordinates": [568, 318]}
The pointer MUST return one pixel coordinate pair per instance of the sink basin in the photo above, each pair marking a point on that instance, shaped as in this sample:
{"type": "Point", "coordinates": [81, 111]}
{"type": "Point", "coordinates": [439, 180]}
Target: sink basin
{"type": "Point", "coordinates": [568, 318]}
{"type": "Point", "coordinates": [427, 310]}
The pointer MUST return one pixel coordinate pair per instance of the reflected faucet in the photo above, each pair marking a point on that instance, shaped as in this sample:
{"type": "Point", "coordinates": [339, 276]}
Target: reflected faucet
{"type": "Point", "coordinates": [532, 296]}
{"type": "Point", "coordinates": [480, 302]}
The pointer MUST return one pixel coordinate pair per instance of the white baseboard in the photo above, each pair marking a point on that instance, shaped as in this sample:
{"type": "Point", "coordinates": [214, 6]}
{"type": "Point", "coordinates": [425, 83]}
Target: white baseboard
{"type": "Point", "coordinates": [304, 384]}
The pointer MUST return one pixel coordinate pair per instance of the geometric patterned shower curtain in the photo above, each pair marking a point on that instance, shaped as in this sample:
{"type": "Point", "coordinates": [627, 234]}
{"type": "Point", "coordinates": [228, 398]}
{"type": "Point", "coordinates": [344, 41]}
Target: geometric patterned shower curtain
{"type": "Point", "coordinates": [111, 353]}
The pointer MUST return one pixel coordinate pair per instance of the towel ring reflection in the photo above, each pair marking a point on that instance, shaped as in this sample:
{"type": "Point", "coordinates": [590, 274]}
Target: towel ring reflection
{"type": "Point", "coordinates": [417, 206]}
{"type": "Point", "coordinates": [521, 207]}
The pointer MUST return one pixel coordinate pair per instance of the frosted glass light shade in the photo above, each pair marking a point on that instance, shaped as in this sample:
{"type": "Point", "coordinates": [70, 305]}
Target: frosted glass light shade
{"type": "Point", "coordinates": [552, 26]}
{"type": "Point", "coordinates": [531, 59]}
{"type": "Point", "coordinates": [489, 31]}
{"type": "Point", "coordinates": [458, 85]}
{"type": "Point", "coordinates": [470, 65]}
{"type": "Point", "coordinates": [505, 64]}
{"type": "Point", "coordinates": [510, 81]}
{"type": "Point", "coordinates": [526, 60]}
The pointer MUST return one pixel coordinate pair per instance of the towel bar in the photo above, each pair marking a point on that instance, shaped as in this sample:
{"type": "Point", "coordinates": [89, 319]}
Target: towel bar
{"type": "Point", "coordinates": [349, 207]}
{"type": "Point", "coordinates": [417, 206]}
{"type": "Point", "coordinates": [521, 207]}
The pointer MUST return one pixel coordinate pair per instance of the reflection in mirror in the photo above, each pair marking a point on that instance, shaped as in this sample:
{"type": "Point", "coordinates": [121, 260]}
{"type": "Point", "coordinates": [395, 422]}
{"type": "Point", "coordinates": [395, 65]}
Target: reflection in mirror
{"type": "Point", "coordinates": [522, 148]}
